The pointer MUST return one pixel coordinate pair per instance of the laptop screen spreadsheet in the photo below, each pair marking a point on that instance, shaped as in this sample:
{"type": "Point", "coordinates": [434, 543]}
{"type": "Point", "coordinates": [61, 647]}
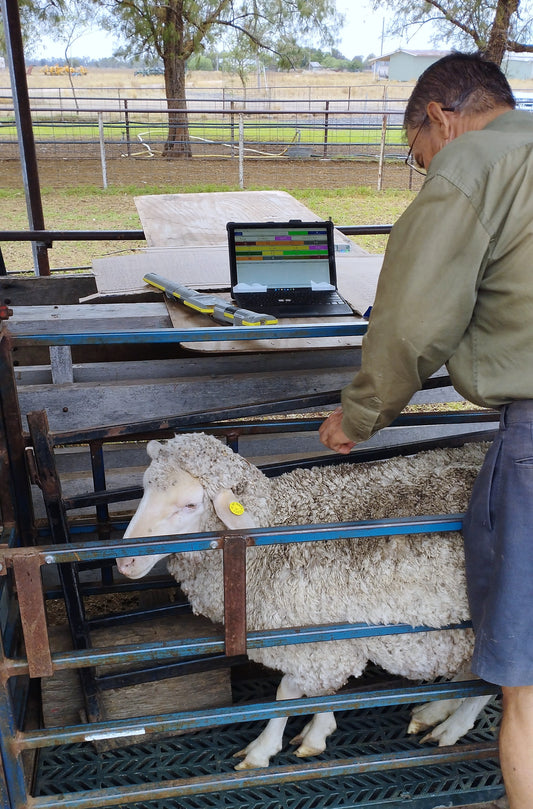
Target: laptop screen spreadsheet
{"type": "Point", "coordinates": [292, 256]}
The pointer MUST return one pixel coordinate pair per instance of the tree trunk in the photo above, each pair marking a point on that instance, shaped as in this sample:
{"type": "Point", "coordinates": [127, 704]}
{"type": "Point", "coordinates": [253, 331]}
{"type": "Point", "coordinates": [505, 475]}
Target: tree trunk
{"type": "Point", "coordinates": [174, 57]}
{"type": "Point", "coordinates": [178, 142]}
{"type": "Point", "coordinates": [499, 34]}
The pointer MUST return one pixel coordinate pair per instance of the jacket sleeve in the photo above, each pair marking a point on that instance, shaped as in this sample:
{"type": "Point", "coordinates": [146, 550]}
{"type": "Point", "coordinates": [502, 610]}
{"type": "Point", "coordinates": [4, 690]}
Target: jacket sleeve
{"type": "Point", "coordinates": [425, 299]}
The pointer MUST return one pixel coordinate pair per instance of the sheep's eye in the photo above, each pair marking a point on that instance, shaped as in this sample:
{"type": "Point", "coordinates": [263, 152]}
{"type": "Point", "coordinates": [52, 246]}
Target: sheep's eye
{"type": "Point", "coordinates": [191, 505]}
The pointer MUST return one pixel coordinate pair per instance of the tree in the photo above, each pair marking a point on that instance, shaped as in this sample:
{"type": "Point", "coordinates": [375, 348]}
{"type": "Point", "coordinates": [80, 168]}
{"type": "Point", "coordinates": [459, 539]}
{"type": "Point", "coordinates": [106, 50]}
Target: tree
{"type": "Point", "coordinates": [174, 30]}
{"type": "Point", "coordinates": [493, 26]}
{"type": "Point", "coordinates": [68, 22]}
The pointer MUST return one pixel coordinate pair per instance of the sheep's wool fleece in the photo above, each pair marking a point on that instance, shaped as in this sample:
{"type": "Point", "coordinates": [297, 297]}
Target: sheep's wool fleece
{"type": "Point", "coordinates": [215, 465]}
{"type": "Point", "coordinates": [417, 580]}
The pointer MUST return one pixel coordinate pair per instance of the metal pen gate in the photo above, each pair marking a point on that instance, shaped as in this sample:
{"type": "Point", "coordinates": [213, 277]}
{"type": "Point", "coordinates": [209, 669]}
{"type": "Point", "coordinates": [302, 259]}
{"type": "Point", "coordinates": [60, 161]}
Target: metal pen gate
{"type": "Point", "coordinates": [371, 763]}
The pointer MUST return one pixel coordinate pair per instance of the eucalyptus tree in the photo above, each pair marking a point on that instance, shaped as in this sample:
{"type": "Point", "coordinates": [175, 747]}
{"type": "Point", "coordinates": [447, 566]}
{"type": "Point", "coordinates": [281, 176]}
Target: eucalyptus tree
{"type": "Point", "coordinates": [489, 26]}
{"type": "Point", "coordinates": [174, 30]}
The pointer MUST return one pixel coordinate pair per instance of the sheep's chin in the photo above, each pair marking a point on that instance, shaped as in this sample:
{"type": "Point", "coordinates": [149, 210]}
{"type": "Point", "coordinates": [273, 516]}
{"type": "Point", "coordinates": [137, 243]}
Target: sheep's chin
{"type": "Point", "coordinates": [136, 567]}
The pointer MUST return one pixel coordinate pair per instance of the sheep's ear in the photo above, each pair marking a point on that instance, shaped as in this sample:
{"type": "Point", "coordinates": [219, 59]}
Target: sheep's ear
{"type": "Point", "coordinates": [232, 512]}
{"type": "Point", "coordinates": [153, 448]}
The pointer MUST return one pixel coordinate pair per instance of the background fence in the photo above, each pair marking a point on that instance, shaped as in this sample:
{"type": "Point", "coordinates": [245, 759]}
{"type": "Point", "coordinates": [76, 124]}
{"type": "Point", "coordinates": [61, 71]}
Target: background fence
{"type": "Point", "coordinates": [307, 142]}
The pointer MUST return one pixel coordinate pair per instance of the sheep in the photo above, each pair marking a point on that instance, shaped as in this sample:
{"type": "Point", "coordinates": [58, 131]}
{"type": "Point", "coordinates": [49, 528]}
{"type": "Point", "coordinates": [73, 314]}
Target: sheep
{"type": "Point", "coordinates": [195, 483]}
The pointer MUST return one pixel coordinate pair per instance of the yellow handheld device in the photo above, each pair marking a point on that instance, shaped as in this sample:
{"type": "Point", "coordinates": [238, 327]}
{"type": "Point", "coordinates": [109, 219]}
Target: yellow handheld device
{"type": "Point", "coordinates": [208, 304]}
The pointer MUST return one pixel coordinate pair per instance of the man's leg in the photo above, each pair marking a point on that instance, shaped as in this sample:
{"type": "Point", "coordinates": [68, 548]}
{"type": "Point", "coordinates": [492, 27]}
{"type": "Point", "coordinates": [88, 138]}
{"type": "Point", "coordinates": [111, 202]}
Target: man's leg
{"type": "Point", "coordinates": [516, 746]}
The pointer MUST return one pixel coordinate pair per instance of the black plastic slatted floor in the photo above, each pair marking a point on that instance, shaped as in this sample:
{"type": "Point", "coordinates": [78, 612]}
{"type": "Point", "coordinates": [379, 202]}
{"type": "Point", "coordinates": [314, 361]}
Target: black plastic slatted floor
{"type": "Point", "coordinates": [360, 733]}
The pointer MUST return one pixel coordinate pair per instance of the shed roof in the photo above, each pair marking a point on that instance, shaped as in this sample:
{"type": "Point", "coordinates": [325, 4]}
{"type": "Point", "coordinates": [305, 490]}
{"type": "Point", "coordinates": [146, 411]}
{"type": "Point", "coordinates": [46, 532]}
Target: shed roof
{"type": "Point", "coordinates": [386, 56]}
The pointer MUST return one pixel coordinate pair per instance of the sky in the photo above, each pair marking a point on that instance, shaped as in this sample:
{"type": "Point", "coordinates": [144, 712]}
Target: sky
{"type": "Point", "coordinates": [363, 34]}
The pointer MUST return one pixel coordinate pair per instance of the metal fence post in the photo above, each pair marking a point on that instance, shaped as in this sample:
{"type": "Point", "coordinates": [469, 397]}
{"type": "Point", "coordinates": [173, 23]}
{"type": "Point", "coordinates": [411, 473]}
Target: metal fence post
{"type": "Point", "coordinates": [326, 127]}
{"type": "Point", "coordinates": [241, 150]}
{"type": "Point", "coordinates": [382, 152]}
{"type": "Point", "coordinates": [127, 123]}
{"type": "Point", "coordinates": [232, 128]}
{"type": "Point", "coordinates": [102, 148]}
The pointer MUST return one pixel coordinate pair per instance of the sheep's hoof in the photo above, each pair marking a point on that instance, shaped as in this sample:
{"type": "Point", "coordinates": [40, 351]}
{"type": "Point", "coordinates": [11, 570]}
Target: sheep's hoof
{"type": "Point", "coordinates": [443, 735]}
{"type": "Point", "coordinates": [416, 726]}
{"type": "Point", "coordinates": [249, 763]}
{"type": "Point", "coordinates": [430, 714]}
{"type": "Point", "coordinates": [304, 751]}
{"type": "Point", "coordinates": [251, 759]}
{"type": "Point", "coordinates": [246, 765]}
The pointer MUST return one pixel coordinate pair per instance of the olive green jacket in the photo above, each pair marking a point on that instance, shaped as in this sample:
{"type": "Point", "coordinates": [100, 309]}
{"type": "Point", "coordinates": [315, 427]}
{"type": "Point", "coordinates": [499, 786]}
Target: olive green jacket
{"type": "Point", "coordinates": [456, 286]}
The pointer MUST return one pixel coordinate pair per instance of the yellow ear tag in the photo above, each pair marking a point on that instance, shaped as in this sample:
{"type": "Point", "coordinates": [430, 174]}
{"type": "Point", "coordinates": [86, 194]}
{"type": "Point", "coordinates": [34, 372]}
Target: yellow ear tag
{"type": "Point", "coordinates": [236, 508]}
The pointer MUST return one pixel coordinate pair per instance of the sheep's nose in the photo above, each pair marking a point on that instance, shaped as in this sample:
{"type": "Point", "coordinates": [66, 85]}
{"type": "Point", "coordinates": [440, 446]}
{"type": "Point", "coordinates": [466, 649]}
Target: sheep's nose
{"type": "Point", "coordinates": [124, 564]}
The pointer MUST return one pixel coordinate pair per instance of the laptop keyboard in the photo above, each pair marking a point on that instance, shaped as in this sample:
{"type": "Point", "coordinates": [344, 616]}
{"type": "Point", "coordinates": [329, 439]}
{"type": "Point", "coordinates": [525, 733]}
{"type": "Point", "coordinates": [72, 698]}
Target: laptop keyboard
{"type": "Point", "coordinates": [303, 304]}
{"type": "Point", "coordinates": [297, 298]}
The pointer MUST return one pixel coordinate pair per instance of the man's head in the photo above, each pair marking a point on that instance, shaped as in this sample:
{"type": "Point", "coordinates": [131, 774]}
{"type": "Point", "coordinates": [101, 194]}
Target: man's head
{"type": "Point", "coordinates": [460, 92]}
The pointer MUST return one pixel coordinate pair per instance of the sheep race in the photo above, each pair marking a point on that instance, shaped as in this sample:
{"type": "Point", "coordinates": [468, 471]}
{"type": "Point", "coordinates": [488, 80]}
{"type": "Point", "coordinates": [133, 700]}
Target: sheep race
{"type": "Point", "coordinates": [196, 483]}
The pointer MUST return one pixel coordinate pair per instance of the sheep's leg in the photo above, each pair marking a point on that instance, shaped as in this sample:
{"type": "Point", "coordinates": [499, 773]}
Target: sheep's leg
{"type": "Point", "coordinates": [430, 714]}
{"type": "Point", "coordinates": [269, 742]}
{"type": "Point", "coordinates": [449, 718]}
{"type": "Point", "coordinates": [433, 713]}
{"type": "Point", "coordinates": [458, 723]}
{"type": "Point", "coordinates": [312, 739]}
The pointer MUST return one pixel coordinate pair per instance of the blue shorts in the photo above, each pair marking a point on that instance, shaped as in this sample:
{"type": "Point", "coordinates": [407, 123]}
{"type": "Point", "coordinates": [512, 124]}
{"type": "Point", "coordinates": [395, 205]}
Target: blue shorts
{"type": "Point", "coordinates": [498, 534]}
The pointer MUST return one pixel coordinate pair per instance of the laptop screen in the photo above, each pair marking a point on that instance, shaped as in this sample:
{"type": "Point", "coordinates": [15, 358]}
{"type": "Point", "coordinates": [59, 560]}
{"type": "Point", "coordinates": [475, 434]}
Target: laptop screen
{"type": "Point", "coordinates": [281, 254]}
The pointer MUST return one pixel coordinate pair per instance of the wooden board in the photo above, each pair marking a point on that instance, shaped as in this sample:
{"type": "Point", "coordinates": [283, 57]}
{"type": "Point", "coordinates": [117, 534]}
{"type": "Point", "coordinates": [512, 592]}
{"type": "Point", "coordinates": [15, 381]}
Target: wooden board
{"type": "Point", "coordinates": [187, 239]}
{"type": "Point", "coordinates": [79, 405]}
{"type": "Point", "coordinates": [175, 220]}
{"type": "Point", "coordinates": [54, 289]}
{"type": "Point", "coordinates": [205, 268]}
{"type": "Point", "coordinates": [62, 699]}
{"type": "Point", "coordinates": [73, 319]}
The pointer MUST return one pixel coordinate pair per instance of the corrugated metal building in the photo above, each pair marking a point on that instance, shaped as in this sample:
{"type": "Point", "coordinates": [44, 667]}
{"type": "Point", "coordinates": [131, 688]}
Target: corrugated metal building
{"type": "Point", "coordinates": [407, 65]}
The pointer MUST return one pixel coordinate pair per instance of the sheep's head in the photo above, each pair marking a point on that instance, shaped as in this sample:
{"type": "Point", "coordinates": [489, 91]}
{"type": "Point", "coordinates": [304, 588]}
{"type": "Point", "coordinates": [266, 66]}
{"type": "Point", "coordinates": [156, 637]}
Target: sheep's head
{"type": "Point", "coordinates": [195, 483]}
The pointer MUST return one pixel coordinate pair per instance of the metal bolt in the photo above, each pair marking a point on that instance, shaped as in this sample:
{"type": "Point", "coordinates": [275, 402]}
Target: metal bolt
{"type": "Point", "coordinates": [213, 544]}
{"type": "Point", "coordinates": [49, 560]}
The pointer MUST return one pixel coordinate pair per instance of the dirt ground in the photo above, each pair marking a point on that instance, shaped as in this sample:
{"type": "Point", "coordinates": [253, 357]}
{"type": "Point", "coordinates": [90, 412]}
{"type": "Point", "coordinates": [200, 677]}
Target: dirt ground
{"type": "Point", "coordinates": [280, 172]}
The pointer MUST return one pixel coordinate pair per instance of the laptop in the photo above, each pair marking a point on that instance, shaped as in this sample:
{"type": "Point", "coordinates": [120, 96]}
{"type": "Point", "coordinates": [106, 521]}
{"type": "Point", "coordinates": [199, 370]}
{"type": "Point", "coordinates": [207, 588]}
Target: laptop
{"type": "Point", "coordinates": [285, 268]}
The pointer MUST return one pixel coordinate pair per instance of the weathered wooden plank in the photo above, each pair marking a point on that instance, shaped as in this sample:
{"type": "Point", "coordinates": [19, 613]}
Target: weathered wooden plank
{"type": "Point", "coordinates": [61, 365]}
{"type": "Point", "coordinates": [88, 317]}
{"type": "Point", "coordinates": [199, 220]}
{"type": "Point", "coordinates": [63, 701]}
{"type": "Point", "coordinates": [197, 365]}
{"type": "Point", "coordinates": [29, 291]}
{"type": "Point", "coordinates": [79, 406]}
{"type": "Point", "coordinates": [83, 405]}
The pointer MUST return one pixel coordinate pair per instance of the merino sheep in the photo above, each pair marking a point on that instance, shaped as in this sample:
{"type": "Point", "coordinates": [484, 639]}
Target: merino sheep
{"type": "Point", "coordinates": [193, 484]}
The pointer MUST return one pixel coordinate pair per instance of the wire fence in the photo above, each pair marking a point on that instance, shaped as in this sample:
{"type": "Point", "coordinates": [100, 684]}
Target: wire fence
{"type": "Point", "coordinates": [236, 132]}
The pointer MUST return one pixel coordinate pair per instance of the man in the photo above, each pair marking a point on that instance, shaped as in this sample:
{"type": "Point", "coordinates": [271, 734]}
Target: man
{"type": "Point", "coordinates": [457, 288]}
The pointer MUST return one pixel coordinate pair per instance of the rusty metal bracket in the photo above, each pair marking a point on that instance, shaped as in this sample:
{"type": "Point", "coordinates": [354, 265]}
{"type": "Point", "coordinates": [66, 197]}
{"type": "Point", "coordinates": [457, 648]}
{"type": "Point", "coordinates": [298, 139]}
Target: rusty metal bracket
{"type": "Point", "coordinates": [31, 466]}
{"type": "Point", "coordinates": [27, 572]}
{"type": "Point", "coordinates": [234, 549]}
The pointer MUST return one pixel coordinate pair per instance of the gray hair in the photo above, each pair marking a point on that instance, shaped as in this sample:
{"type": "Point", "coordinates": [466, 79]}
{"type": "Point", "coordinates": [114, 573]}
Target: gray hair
{"type": "Point", "coordinates": [465, 82]}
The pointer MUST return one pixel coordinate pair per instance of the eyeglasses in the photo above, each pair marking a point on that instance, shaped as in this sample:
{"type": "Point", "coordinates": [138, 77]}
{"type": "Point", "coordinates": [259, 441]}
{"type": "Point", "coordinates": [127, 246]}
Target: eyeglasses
{"type": "Point", "coordinates": [410, 160]}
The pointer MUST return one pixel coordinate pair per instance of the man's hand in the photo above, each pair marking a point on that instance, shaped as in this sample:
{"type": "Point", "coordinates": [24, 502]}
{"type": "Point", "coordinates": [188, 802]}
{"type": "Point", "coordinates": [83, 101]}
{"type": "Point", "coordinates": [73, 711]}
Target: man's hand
{"type": "Point", "coordinates": [332, 435]}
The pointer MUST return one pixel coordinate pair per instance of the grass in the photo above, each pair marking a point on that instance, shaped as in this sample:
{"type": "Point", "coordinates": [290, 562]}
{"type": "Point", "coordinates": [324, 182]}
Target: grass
{"type": "Point", "coordinates": [90, 207]}
{"type": "Point", "coordinates": [210, 130]}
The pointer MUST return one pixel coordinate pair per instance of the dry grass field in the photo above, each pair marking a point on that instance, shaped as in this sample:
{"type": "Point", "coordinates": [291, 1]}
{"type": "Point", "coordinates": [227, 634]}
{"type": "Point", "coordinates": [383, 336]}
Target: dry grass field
{"type": "Point", "coordinates": [332, 84]}
{"type": "Point", "coordinates": [329, 82]}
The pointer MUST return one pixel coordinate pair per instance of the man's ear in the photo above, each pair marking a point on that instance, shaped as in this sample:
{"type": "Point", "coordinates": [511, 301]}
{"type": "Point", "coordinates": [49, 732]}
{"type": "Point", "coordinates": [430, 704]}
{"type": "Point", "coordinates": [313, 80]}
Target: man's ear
{"type": "Point", "coordinates": [231, 512]}
{"type": "Point", "coordinates": [441, 119]}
